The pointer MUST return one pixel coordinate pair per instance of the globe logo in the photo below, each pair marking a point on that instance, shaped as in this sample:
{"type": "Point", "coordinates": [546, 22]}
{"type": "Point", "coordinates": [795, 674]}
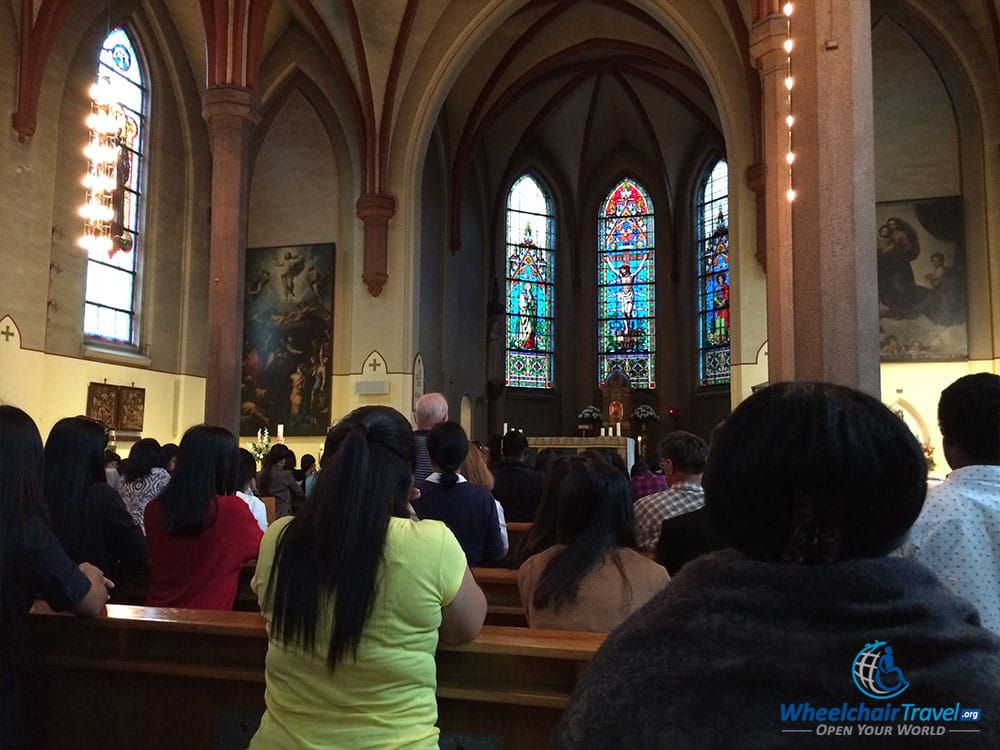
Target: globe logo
{"type": "Point", "coordinates": [876, 674]}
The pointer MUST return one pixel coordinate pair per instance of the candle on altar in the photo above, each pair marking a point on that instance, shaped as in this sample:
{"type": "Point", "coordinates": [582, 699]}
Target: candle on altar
{"type": "Point", "coordinates": [281, 431]}
{"type": "Point", "coordinates": [618, 429]}
{"type": "Point", "coordinates": [504, 428]}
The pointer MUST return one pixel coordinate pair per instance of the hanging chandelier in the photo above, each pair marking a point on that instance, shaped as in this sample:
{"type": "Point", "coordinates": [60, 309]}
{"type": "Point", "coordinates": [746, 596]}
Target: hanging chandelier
{"type": "Point", "coordinates": [101, 179]}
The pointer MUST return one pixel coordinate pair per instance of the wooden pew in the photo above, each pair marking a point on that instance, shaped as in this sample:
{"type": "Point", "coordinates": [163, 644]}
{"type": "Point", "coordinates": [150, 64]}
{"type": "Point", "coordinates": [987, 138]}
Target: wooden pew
{"type": "Point", "coordinates": [167, 678]}
{"type": "Point", "coordinates": [503, 602]}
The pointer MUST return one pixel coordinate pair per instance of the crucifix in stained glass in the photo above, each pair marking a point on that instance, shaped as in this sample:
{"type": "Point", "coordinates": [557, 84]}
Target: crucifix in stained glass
{"type": "Point", "coordinates": [626, 294]}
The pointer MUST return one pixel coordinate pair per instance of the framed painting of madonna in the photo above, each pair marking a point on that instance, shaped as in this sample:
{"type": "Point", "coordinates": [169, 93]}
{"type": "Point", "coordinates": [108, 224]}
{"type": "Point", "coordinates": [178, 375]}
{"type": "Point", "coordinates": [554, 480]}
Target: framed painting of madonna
{"type": "Point", "coordinates": [287, 338]}
{"type": "Point", "coordinates": [920, 248]}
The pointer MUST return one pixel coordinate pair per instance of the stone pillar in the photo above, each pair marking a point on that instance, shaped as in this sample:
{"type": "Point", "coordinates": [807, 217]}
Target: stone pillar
{"type": "Point", "coordinates": [231, 113]}
{"type": "Point", "coordinates": [835, 303]}
{"type": "Point", "coordinates": [766, 46]}
{"type": "Point", "coordinates": [375, 210]}
{"type": "Point", "coordinates": [821, 270]}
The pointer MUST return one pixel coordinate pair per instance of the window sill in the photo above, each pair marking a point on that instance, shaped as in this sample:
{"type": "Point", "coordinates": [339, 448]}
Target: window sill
{"type": "Point", "coordinates": [116, 355]}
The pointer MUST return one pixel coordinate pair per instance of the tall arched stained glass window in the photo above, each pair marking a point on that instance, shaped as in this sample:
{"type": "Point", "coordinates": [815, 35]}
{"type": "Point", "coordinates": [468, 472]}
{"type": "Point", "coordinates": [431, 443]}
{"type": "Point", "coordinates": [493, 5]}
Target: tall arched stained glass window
{"type": "Point", "coordinates": [625, 293]}
{"type": "Point", "coordinates": [530, 285]}
{"type": "Point", "coordinates": [112, 213]}
{"type": "Point", "coordinates": [713, 276]}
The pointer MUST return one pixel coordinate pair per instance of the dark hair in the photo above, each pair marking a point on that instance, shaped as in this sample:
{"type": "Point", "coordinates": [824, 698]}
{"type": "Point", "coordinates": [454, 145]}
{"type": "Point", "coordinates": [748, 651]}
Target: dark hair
{"type": "Point", "coordinates": [20, 473]}
{"type": "Point", "coordinates": [545, 458]}
{"type": "Point", "coordinates": [969, 416]}
{"type": "Point", "coordinates": [595, 516]}
{"type": "Point", "coordinates": [513, 444]}
{"type": "Point", "coordinates": [275, 457]}
{"type": "Point", "coordinates": [334, 545]}
{"type": "Point", "coordinates": [307, 462]}
{"type": "Point", "coordinates": [247, 470]}
{"type": "Point", "coordinates": [145, 455]}
{"type": "Point", "coordinates": [170, 451]}
{"type": "Point", "coordinates": [687, 451]}
{"type": "Point", "coordinates": [542, 533]}
{"type": "Point", "coordinates": [814, 473]}
{"type": "Point", "coordinates": [207, 466]}
{"type": "Point", "coordinates": [74, 460]}
{"type": "Point", "coordinates": [110, 456]}
{"type": "Point", "coordinates": [448, 445]}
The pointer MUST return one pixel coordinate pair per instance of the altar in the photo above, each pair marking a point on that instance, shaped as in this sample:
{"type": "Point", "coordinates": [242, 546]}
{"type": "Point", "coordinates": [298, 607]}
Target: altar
{"type": "Point", "coordinates": [623, 446]}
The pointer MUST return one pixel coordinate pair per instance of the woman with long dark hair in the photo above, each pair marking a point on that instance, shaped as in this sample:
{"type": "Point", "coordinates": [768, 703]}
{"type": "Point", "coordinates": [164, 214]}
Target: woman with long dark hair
{"type": "Point", "coordinates": [542, 533]}
{"type": "Point", "coordinates": [277, 480]}
{"type": "Point", "coordinates": [143, 478]}
{"type": "Point", "coordinates": [200, 533]}
{"type": "Point", "coordinates": [33, 561]}
{"type": "Point", "coordinates": [593, 578]}
{"type": "Point", "coordinates": [468, 509]}
{"type": "Point", "coordinates": [356, 596]}
{"type": "Point", "coordinates": [88, 517]}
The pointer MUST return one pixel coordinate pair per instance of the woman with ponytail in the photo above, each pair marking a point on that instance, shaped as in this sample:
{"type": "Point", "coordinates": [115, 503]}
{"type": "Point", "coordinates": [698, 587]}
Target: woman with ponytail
{"type": "Point", "coordinates": [356, 596]}
{"type": "Point", "coordinates": [468, 509]}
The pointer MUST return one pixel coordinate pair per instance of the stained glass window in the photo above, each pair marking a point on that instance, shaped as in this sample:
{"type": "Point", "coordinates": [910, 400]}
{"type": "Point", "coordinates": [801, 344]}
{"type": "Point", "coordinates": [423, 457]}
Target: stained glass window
{"type": "Point", "coordinates": [530, 285]}
{"type": "Point", "coordinates": [625, 294]}
{"type": "Point", "coordinates": [119, 98]}
{"type": "Point", "coordinates": [713, 276]}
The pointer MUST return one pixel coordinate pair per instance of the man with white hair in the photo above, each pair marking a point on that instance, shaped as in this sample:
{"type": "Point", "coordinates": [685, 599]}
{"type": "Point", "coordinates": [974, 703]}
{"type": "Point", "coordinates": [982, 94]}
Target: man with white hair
{"type": "Point", "coordinates": [431, 409]}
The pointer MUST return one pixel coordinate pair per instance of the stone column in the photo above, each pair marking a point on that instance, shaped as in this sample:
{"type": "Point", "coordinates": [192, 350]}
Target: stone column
{"type": "Point", "coordinates": [833, 217]}
{"type": "Point", "coordinates": [231, 113]}
{"type": "Point", "coordinates": [375, 210]}
{"type": "Point", "coordinates": [766, 46]}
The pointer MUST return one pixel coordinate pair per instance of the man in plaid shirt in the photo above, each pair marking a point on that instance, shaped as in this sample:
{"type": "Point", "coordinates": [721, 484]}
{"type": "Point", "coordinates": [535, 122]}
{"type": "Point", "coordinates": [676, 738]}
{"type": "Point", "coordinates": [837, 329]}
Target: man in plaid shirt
{"type": "Point", "coordinates": [684, 455]}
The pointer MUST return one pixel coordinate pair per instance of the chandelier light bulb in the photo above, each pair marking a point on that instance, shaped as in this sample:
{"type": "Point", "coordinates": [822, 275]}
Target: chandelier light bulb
{"type": "Point", "coordinates": [788, 9]}
{"type": "Point", "coordinates": [790, 195]}
{"type": "Point", "coordinates": [790, 120]}
{"type": "Point", "coordinates": [789, 83]}
{"type": "Point", "coordinates": [790, 157]}
{"type": "Point", "coordinates": [788, 46]}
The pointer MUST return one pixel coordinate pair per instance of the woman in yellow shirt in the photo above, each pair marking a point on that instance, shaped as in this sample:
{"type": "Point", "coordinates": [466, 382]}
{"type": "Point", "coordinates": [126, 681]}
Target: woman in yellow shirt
{"type": "Point", "coordinates": [356, 596]}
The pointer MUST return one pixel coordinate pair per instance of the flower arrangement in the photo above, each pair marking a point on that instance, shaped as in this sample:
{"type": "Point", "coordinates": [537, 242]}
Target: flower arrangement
{"type": "Point", "coordinates": [644, 413]}
{"type": "Point", "coordinates": [929, 456]}
{"type": "Point", "coordinates": [589, 414]}
{"type": "Point", "coordinates": [260, 448]}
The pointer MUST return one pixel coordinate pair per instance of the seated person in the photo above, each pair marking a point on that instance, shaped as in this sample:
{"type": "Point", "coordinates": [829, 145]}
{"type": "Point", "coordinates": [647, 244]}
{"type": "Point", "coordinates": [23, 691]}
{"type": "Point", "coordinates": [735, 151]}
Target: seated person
{"type": "Point", "coordinates": [814, 484]}
{"type": "Point", "coordinates": [356, 597]}
{"type": "Point", "coordinates": [593, 578]}
{"type": "Point", "coordinates": [957, 534]}
{"type": "Point", "coordinates": [468, 509]}
{"type": "Point", "coordinates": [200, 533]}
{"type": "Point", "coordinates": [684, 455]}
{"type": "Point", "coordinates": [33, 562]}
{"type": "Point", "coordinates": [685, 537]}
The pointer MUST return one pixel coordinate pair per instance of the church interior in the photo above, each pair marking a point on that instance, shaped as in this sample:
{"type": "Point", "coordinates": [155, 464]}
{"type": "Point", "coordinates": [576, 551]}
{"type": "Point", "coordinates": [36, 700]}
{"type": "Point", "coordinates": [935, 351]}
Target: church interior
{"type": "Point", "coordinates": [322, 205]}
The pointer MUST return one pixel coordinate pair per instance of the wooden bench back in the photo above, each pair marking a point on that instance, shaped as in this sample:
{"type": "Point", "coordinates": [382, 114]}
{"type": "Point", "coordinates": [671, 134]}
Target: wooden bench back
{"type": "Point", "coordinates": [176, 678]}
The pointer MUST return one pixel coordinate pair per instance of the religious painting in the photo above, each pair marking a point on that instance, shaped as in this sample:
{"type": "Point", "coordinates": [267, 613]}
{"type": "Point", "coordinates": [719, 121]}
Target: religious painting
{"type": "Point", "coordinates": [102, 403]}
{"type": "Point", "coordinates": [131, 409]}
{"type": "Point", "coordinates": [920, 246]}
{"type": "Point", "coordinates": [287, 339]}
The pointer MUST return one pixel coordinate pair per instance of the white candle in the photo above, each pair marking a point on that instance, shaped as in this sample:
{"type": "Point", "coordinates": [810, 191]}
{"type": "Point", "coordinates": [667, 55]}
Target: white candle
{"type": "Point", "coordinates": [504, 428]}
{"type": "Point", "coordinates": [281, 431]}
{"type": "Point", "coordinates": [602, 432]}
{"type": "Point", "coordinates": [618, 429]}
